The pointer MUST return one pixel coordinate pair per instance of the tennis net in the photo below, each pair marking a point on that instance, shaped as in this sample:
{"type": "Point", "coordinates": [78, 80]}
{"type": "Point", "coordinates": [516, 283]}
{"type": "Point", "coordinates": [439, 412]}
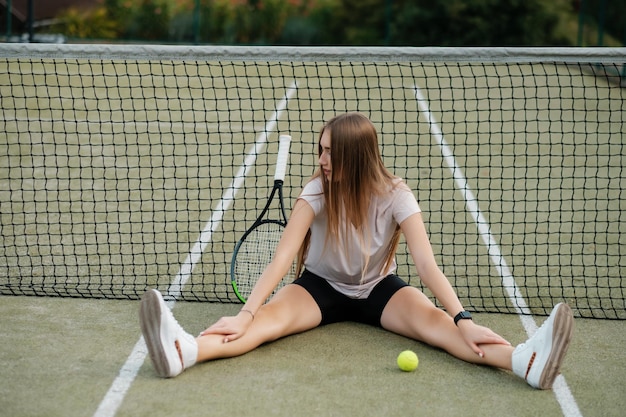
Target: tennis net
{"type": "Point", "coordinates": [130, 167]}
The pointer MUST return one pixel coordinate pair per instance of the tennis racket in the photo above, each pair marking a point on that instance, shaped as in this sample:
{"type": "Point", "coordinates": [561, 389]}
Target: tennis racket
{"type": "Point", "coordinates": [254, 251]}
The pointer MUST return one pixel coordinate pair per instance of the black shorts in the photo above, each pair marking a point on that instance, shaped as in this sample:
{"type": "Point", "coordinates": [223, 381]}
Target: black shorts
{"type": "Point", "coordinates": [336, 307]}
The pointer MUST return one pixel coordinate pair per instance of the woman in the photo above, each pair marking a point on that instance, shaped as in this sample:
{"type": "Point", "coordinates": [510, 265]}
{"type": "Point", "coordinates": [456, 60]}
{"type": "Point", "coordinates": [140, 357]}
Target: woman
{"type": "Point", "coordinates": [344, 228]}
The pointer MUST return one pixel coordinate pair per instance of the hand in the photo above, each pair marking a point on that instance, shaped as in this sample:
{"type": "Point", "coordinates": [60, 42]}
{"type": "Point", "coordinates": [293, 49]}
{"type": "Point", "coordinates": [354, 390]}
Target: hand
{"type": "Point", "coordinates": [476, 335]}
{"type": "Point", "coordinates": [232, 327]}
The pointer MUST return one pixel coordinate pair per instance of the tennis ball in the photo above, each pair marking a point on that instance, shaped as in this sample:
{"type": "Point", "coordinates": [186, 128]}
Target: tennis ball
{"type": "Point", "coordinates": [407, 361]}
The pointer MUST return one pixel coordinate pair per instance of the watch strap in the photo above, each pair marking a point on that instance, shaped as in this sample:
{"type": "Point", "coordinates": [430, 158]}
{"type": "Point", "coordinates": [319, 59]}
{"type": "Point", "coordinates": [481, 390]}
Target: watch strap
{"type": "Point", "coordinates": [463, 315]}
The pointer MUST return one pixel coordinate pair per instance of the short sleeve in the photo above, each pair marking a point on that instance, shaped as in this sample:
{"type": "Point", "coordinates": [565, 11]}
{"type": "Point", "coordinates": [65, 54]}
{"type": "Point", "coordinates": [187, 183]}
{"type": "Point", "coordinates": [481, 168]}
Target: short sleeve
{"type": "Point", "coordinates": [313, 193]}
{"type": "Point", "coordinates": [405, 204]}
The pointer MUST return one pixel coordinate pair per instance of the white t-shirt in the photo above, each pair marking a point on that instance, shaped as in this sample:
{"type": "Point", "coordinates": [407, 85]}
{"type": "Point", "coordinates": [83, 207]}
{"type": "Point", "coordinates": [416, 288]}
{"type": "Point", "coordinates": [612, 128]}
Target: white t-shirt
{"type": "Point", "coordinates": [343, 266]}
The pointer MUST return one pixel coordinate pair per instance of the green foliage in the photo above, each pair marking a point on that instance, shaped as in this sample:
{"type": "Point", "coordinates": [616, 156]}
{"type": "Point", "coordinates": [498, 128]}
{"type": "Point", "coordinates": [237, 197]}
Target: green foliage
{"type": "Point", "coordinates": [234, 21]}
{"type": "Point", "coordinates": [604, 22]}
{"type": "Point", "coordinates": [475, 23]}
{"type": "Point", "coordinates": [117, 19]}
{"type": "Point", "coordinates": [149, 20]}
{"type": "Point", "coordinates": [78, 23]}
{"type": "Point", "coordinates": [338, 22]}
{"type": "Point", "coordinates": [361, 22]}
{"type": "Point", "coordinates": [315, 24]}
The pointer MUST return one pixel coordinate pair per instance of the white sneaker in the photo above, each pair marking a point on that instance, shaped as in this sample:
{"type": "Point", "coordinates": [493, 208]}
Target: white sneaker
{"type": "Point", "coordinates": [171, 348]}
{"type": "Point", "coordinates": [539, 360]}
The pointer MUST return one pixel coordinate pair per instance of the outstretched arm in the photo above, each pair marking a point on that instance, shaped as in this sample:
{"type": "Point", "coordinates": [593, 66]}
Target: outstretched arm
{"type": "Point", "coordinates": [431, 275]}
{"type": "Point", "coordinates": [299, 222]}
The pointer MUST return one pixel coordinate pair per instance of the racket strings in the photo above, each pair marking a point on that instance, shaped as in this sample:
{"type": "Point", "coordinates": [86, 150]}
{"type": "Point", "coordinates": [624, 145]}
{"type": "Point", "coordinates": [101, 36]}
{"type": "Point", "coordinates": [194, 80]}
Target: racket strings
{"type": "Point", "coordinates": [255, 253]}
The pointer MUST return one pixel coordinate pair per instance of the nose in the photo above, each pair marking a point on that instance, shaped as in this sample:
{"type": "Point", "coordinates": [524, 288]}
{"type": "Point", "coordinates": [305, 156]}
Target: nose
{"type": "Point", "coordinates": [323, 159]}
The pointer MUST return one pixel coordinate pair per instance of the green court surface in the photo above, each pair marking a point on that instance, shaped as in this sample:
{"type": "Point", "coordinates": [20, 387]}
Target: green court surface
{"type": "Point", "coordinates": [60, 357]}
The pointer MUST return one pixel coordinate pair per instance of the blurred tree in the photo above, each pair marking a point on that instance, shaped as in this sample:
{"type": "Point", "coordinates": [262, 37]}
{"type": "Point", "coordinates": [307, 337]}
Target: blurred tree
{"type": "Point", "coordinates": [78, 23]}
{"type": "Point", "coordinates": [340, 22]}
{"type": "Point", "coordinates": [473, 23]}
{"type": "Point", "coordinates": [116, 13]}
{"type": "Point", "coordinates": [150, 20]}
{"type": "Point", "coordinates": [361, 22]}
{"type": "Point", "coordinates": [314, 23]}
{"type": "Point", "coordinates": [601, 19]}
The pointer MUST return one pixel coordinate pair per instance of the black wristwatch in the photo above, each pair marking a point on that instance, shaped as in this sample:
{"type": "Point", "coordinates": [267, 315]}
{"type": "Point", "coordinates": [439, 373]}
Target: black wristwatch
{"type": "Point", "coordinates": [463, 315]}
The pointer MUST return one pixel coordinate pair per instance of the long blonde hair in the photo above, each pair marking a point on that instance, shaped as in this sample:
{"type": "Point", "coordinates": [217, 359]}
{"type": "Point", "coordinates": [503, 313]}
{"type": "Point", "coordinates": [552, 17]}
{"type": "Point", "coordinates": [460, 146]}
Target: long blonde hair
{"type": "Point", "coordinates": [358, 173]}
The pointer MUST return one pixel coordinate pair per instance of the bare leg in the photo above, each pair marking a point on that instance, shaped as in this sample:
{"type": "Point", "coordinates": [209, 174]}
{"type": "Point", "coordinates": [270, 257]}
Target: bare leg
{"type": "Point", "coordinates": [291, 311]}
{"type": "Point", "coordinates": [410, 313]}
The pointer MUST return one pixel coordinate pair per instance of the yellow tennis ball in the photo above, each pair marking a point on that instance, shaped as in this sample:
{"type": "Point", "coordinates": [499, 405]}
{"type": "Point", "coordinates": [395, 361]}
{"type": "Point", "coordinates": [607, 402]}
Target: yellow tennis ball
{"type": "Point", "coordinates": [407, 361]}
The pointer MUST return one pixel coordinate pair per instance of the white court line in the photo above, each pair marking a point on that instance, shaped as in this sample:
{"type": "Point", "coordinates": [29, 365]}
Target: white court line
{"type": "Point", "coordinates": [115, 396]}
{"type": "Point", "coordinates": [560, 388]}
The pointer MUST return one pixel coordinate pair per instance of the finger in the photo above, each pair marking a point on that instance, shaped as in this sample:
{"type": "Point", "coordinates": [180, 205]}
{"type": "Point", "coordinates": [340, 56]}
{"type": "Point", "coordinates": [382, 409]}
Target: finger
{"type": "Point", "coordinates": [231, 337]}
{"type": "Point", "coordinates": [496, 339]}
{"type": "Point", "coordinates": [209, 330]}
{"type": "Point", "coordinates": [477, 350]}
{"type": "Point", "coordinates": [504, 342]}
{"type": "Point", "coordinates": [217, 330]}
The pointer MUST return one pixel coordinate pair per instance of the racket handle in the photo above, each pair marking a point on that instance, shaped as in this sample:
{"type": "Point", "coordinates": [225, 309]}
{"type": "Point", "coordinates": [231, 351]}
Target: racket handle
{"type": "Point", "coordinates": [281, 159]}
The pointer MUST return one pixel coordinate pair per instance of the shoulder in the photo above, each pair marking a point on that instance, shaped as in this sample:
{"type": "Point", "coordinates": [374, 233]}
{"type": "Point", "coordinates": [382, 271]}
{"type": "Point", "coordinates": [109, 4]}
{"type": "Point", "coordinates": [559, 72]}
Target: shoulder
{"type": "Point", "coordinates": [313, 193]}
{"type": "Point", "coordinates": [313, 187]}
{"type": "Point", "coordinates": [403, 200]}
{"type": "Point", "coordinates": [400, 189]}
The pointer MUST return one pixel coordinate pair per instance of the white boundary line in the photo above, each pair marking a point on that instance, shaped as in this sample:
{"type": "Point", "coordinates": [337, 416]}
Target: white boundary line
{"type": "Point", "coordinates": [115, 396]}
{"type": "Point", "coordinates": [560, 388]}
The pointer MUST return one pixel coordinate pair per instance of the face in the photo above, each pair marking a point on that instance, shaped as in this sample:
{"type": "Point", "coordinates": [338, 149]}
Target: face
{"type": "Point", "coordinates": [324, 159]}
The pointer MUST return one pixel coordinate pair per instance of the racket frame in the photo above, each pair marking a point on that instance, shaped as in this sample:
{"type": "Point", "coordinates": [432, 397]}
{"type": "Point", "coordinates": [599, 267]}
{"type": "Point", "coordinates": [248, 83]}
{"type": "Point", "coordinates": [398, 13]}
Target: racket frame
{"type": "Point", "coordinates": [277, 188]}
